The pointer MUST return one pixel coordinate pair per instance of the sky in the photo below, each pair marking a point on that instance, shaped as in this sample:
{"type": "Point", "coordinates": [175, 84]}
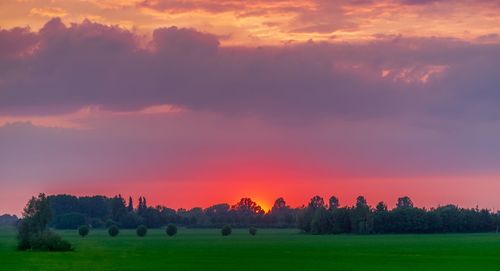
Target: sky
{"type": "Point", "coordinates": [197, 102]}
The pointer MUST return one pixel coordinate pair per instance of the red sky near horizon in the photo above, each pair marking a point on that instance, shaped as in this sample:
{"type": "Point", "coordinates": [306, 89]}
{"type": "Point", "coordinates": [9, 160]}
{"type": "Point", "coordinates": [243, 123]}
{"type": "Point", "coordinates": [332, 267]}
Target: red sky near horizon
{"type": "Point", "coordinates": [198, 102]}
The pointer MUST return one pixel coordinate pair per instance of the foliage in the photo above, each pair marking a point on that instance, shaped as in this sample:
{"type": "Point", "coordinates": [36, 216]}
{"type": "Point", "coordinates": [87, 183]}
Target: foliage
{"type": "Point", "coordinates": [83, 230]}
{"type": "Point", "coordinates": [321, 222]}
{"type": "Point", "coordinates": [226, 230]}
{"type": "Point", "coordinates": [68, 221]}
{"type": "Point", "coordinates": [252, 231]}
{"type": "Point", "coordinates": [33, 232]}
{"type": "Point", "coordinates": [171, 230]}
{"type": "Point", "coordinates": [49, 241]}
{"type": "Point", "coordinates": [141, 231]}
{"type": "Point", "coordinates": [70, 212]}
{"type": "Point", "coordinates": [113, 231]}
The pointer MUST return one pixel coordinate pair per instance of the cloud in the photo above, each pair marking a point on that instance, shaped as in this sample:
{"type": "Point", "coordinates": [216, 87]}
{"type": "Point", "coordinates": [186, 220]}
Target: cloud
{"type": "Point", "coordinates": [65, 68]}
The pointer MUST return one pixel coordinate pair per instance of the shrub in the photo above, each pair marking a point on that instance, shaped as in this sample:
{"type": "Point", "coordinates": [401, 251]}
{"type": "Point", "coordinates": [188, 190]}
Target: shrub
{"type": "Point", "coordinates": [113, 231]}
{"type": "Point", "coordinates": [252, 231]}
{"type": "Point", "coordinates": [83, 230]}
{"type": "Point", "coordinates": [171, 230]}
{"type": "Point", "coordinates": [141, 231]}
{"type": "Point", "coordinates": [49, 241]}
{"type": "Point", "coordinates": [226, 230]}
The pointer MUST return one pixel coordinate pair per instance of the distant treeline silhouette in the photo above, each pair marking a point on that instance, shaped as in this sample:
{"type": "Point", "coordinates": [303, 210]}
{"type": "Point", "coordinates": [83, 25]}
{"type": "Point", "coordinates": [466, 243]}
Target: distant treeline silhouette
{"type": "Point", "coordinates": [318, 217]}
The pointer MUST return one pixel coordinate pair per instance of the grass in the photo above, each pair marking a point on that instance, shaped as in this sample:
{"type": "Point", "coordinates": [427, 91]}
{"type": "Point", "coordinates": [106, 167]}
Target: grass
{"type": "Point", "coordinates": [269, 250]}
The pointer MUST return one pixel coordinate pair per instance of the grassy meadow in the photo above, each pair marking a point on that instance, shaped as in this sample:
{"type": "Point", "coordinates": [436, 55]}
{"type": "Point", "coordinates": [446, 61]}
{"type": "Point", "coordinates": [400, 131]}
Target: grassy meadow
{"type": "Point", "coordinates": [206, 249]}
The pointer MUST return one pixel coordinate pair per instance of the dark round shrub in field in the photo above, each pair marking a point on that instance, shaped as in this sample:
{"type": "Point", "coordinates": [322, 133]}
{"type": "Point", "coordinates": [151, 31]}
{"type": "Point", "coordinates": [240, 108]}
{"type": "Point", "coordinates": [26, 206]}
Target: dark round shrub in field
{"type": "Point", "coordinates": [226, 230]}
{"type": "Point", "coordinates": [113, 231]}
{"type": "Point", "coordinates": [141, 231]}
{"type": "Point", "coordinates": [171, 230]}
{"type": "Point", "coordinates": [252, 231]}
{"type": "Point", "coordinates": [83, 230]}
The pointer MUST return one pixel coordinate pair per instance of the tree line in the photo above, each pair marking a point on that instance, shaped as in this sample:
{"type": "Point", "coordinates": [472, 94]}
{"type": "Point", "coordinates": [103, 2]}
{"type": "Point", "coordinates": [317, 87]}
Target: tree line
{"type": "Point", "coordinates": [317, 217]}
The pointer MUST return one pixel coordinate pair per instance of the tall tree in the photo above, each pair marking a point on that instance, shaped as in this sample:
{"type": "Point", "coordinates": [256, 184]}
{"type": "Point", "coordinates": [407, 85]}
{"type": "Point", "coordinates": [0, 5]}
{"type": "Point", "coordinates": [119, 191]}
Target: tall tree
{"type": "Point", "coordinates": [333, 203]}
{"type": "Point", "coordinates": [361, 219]}
{"type": "Point", "coordinates": [118, 209]}
{"type": "Point", "coordinates": [316, 202]}
{"type": "Point", "coordinates": [130, 206]}
{"type": "Point", "coordinates": [404, 203]}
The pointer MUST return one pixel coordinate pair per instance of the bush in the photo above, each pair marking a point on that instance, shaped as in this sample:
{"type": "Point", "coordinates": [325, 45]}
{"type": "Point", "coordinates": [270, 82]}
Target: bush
{"type": "Point", "coordinates": [83, 230]}
{"type": "Point", "coordinates": [141, 231]}
{"type": "Point", "coordinates": [113, 231]}
{"type": "Point", "coordinates": [171, 230]}
{"type": "Point", "coordinates": [252, 231]}
{"type": "Point", "coordinates": [49, 241]}
{"type": "Point", "coordinates": [226, 230]}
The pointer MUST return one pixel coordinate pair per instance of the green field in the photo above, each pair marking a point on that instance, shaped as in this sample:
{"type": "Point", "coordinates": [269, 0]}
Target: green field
{"type": "Point", "coordinates": [268, 250]}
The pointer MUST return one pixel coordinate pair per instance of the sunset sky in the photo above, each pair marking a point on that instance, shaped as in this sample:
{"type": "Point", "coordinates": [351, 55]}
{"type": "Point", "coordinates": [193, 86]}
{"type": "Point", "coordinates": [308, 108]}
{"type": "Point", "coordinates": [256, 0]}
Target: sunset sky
{"type": "Point", "coordinates": [197, 102]}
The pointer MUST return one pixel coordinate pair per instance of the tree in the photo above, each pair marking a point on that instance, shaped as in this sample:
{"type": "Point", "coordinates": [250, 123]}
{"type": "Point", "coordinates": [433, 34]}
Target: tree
{"type": "Point", "coordinates": [306, 215]}
{"type": "Point", "coordinates": [171, 230]}
{"type": "Point", "coordinates": [142, 206]}
{"type": "Point", "coordinates": [33, 232]}
{"type": "Point", "coordinates": [130, 220]}
{"type": "Point", "coordinates": [248, 206]}
{"type": "Point", "coordinates": [381, 219]}
{"type": "Point", "coordinates": [141, 231]}
{"type": "Point", "coordinates": [316, 202]}
{"type": "Point", "coordinates": [279, 204]}
{"type": "Point", "coordinates": [333, 203]}
{"type": "Point", "coordinates": [226, 230]}
{"type": "Point", "coordinates": [361, 219]}
{"type": "Point", "coordinates": [118, 208]}
{"type": "Point", "coordinates": [68, 221]}
{"type": "Point", "coordinates": [321, 222]}
{"type": "Point", "coordinates": [252, 231]}
{"type": "Point", "coordinates": [83, 230]}
{"type": "Point", "coordinates": [404, 203]}
{"type": "Point", "coordinates": [130, 206]}
{"type": "Point", "coordinates": [113, 231]}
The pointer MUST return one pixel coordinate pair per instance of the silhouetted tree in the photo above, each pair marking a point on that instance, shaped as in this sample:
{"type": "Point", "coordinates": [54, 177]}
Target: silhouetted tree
{"type": "Point", "coordinates": [69, 212]}
{"type": "Point", "coordinates": [33, 232]}
{"type": "Point", "coordinates": [333, 203]}
{"type": "Point", "coordinates": [83, 230]}
{"type": "Point", "coordinates": [171, 230]}
{"type": "Point", "coordinates": [381, 219]}
{"type": "Point", "coordinates": [252, 231]}
{"type": "Point", "coordinates": [404, 203]}
{"type": "Point", "coordinates": [130, 206]}
{"type": "Point", "coordinates": [131, 220]}
{"type": "Point", "coordinates": [361, 219]}
{"type": "Point", "coordinates": [141, 231]}
{"type": "Point", "coordinates": [281, 215]}
{"type": "Point", "coordinates": [226, 230]}
{"type": "Point", "coordinates": [118, 208]}
{"type": "Point", "coordinates": [68, 221]}
{"type": "Point", "coordinates": [113, 231]}
{"type": "Point", "coordinates": [321, 222]}
{"type": "Point", "coordinates": [316, 202]}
